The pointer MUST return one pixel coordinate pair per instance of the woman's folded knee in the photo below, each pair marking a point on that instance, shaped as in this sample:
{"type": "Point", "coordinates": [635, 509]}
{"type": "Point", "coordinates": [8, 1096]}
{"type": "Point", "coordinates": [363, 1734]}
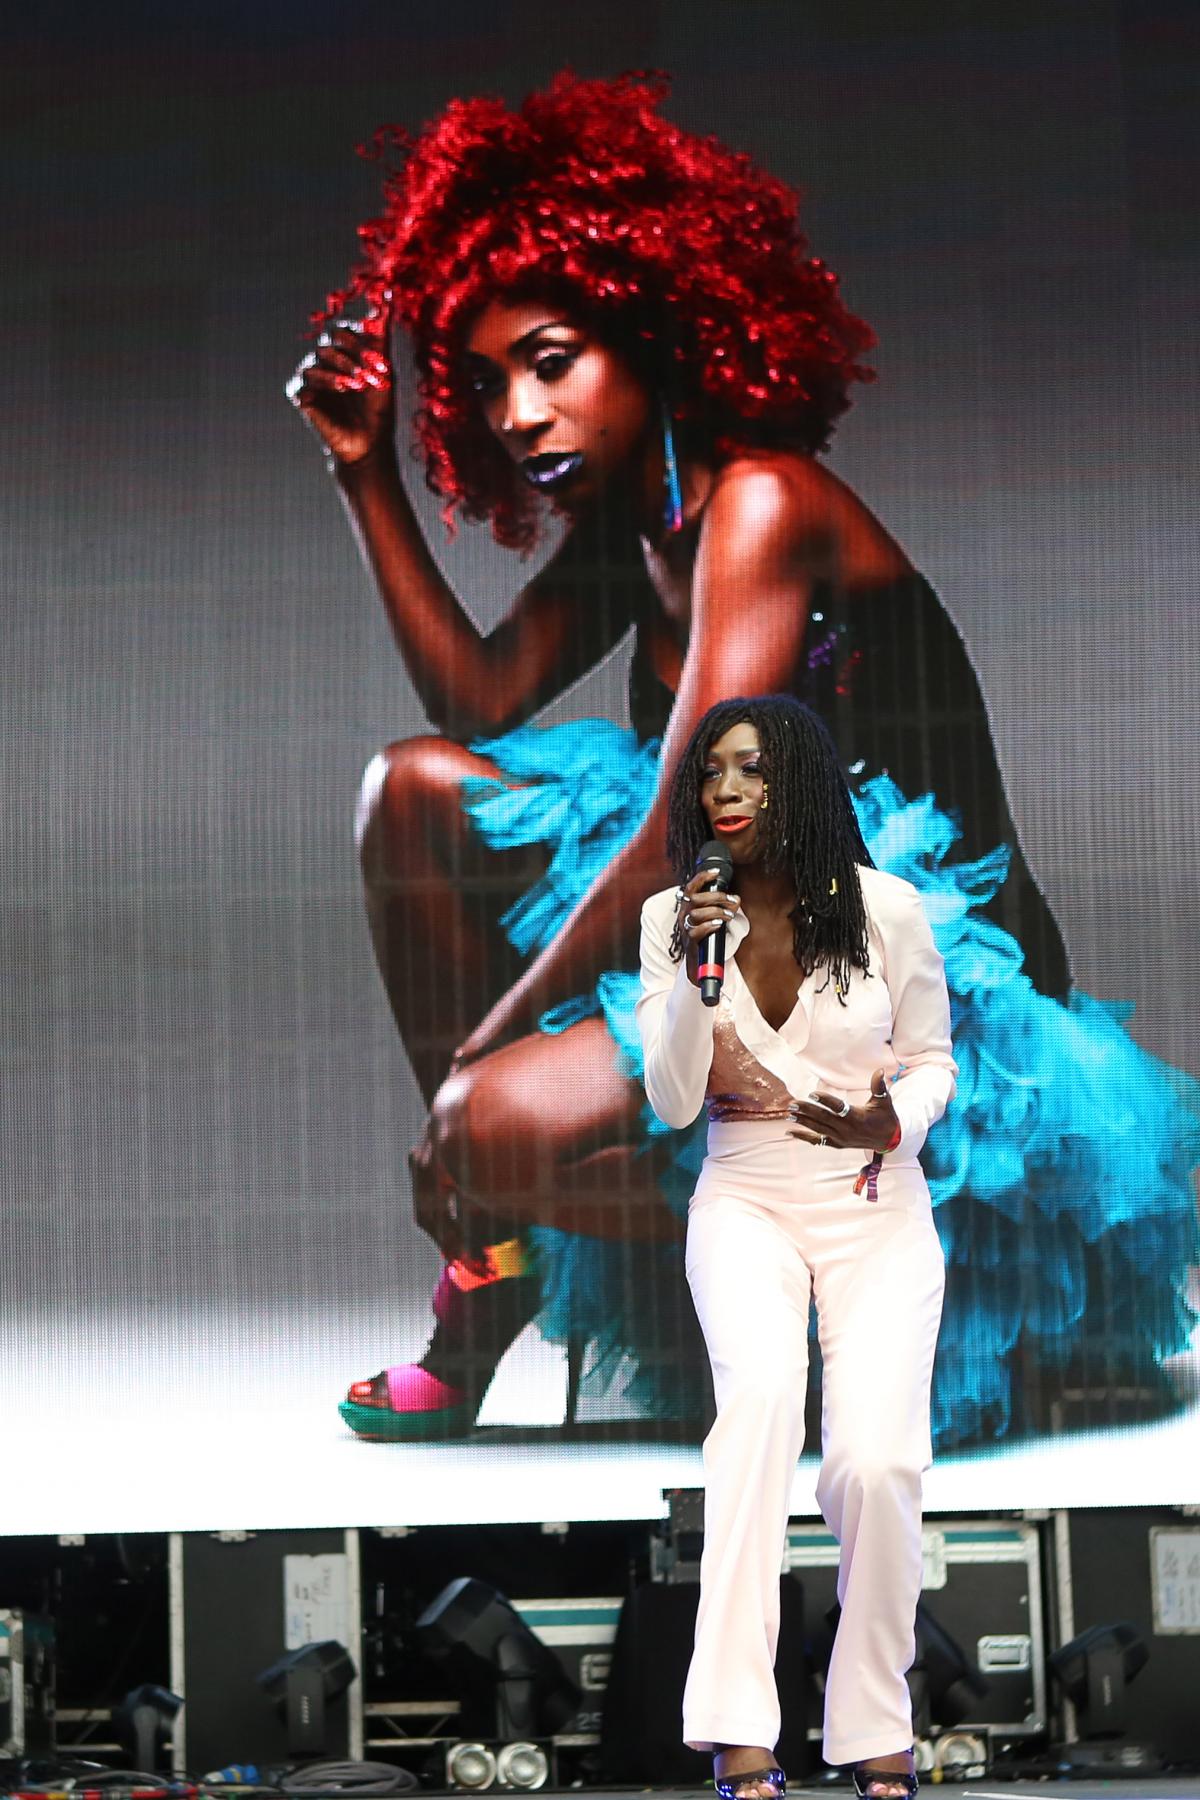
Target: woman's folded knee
{"type": "Point", "coordinates": [400, 781]}
{"type": "Point", "coordinates": [484, 1143]}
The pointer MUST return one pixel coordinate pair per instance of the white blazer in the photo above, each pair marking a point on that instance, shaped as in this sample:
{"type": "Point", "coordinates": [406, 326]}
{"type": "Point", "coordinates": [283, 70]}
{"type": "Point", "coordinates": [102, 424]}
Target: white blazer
{"type": "Point", "coordinates": [896, 1018]}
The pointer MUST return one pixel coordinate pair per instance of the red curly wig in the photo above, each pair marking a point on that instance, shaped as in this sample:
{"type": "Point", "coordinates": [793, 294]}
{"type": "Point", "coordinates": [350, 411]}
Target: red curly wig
{"type": "Point", "coordinates": [678, 251]}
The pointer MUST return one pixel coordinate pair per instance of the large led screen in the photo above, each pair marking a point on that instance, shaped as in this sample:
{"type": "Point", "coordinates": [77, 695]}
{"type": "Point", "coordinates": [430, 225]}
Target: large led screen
{"type": "Point", "coordinates": [328, 821]}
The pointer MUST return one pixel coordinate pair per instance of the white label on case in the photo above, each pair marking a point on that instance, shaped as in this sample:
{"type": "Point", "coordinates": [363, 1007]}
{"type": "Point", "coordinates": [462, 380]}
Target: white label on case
{"type": "Point", "coordinates": [316, 1600]}
{"type": "Point", "coordinates": [1175, 1579]}
{"type": "Point", "coordinates": [933, 1558]}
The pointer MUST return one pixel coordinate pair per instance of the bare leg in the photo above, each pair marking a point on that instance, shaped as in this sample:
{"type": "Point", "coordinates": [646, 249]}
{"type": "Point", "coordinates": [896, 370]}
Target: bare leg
{"type": "Point", "coordinates": [434, 895]}
{"type": "Point", "coordinates": [546, 1131]}
{"type": "Point", "coordinates": [543, 1131]}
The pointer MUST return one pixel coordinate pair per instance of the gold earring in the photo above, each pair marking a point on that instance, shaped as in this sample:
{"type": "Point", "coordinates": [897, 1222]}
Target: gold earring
{"type": "Point", "coordinates": [833, 885]}
{"type": "Point", "coordinates": [764, 802]}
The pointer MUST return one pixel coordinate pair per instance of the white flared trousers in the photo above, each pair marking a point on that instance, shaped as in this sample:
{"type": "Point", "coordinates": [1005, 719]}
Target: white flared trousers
{"type": "Point", "coordinates": [774, 1225]}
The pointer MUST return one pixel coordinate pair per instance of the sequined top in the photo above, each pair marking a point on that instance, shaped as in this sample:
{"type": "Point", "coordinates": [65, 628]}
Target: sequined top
{"type": "Point", "coordinates": [738, 1085]}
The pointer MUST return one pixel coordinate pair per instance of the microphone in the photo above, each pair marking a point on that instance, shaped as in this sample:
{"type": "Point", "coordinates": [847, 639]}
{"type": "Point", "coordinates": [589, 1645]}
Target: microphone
{"type": "Point", "coordinates": [715, 856]}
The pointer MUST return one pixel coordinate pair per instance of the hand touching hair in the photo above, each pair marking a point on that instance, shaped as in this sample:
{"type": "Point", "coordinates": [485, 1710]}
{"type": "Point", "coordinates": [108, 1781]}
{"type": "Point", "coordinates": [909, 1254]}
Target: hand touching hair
{"type": "Point", "coordinates": [679, 251]}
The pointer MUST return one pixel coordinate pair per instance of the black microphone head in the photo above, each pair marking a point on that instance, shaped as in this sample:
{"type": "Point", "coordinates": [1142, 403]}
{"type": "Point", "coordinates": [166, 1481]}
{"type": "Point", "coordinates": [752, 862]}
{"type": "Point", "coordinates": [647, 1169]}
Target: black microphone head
{"type": "Point", "coordinates": [714, 855]}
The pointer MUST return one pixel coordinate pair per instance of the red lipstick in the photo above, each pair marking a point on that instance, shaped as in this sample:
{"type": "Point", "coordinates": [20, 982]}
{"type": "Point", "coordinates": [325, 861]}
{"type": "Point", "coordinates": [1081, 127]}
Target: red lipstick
{"type": "Point", "coordinates": [729, 826]}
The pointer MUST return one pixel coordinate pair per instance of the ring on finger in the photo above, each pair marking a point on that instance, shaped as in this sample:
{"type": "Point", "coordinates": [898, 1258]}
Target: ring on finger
{"type": "Point", "coordinates": [845, 1108]}
{"type": "Point", "coordinates": [822, 1141]}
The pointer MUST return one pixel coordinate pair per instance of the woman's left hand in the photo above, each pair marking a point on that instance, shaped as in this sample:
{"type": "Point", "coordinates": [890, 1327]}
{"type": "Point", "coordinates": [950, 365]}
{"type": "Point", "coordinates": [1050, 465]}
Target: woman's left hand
{"type": "Point", "coordinates": [821, 1119]}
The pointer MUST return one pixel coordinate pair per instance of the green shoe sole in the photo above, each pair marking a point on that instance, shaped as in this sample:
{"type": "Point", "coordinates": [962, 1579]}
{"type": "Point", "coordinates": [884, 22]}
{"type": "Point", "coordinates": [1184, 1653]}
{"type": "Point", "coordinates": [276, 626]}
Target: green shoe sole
{"type": "Point", "coordinates": [408, 1428]}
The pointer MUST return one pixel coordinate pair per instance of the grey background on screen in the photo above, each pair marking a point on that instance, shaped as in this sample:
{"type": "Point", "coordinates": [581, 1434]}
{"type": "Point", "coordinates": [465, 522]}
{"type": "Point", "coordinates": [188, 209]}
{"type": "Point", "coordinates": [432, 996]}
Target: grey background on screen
{"type": "Point", "coordinates": [204, 1098]}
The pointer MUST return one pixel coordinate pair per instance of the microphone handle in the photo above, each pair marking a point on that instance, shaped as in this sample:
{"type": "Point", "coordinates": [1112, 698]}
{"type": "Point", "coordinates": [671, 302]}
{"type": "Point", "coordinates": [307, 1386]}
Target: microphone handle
{"type": "Point", "coordinates": [712, 967]}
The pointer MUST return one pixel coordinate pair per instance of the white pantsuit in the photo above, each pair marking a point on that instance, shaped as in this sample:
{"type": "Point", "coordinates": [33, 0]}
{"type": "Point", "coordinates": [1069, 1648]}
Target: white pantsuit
{"type": "Point", "coordinates": [774, 1224]}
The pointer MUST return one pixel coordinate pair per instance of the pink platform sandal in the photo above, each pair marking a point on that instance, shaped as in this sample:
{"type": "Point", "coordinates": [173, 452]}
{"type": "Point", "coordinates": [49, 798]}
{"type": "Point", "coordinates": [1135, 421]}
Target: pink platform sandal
{"type": "Point", "coordinates": [480, 1305]}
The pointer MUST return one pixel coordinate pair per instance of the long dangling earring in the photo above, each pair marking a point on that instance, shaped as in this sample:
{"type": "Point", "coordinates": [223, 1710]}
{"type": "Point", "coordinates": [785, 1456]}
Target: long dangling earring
{"type": "Point", "coordinates": [672, 493]}
{"type": "Point", "coordinates": [764, 803]}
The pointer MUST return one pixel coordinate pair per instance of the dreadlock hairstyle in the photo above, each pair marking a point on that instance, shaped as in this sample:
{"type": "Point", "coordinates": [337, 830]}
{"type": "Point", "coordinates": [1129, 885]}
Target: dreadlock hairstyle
{"type": "Point", "coordinates": [670, 247]}
{"type": "Point", "coordinates": [810, 830]}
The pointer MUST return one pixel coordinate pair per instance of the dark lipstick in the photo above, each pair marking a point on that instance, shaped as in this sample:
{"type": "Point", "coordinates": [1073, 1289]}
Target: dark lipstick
{"type": "Point", "coordinates": [550, 469]}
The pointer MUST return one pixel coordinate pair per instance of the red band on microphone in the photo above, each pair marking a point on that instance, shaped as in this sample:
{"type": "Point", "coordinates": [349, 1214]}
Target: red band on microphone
{"type": "Point", "coordinates": [709, 969]}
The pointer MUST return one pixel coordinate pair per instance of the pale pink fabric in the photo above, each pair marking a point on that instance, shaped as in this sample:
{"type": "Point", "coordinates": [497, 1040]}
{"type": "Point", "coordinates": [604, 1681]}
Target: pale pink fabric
{"type": "Point", "coordinates": [774, 1225]}
{"type": "Point", "coordinates": [764, 1237]}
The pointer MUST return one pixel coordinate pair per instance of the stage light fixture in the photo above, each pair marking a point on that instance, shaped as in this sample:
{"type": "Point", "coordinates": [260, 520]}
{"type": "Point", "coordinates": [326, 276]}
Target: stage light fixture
{"type": "Point", "coordinates": [471, 1767]}
{"type": "Point", "coordinates": [480, 1639]}
{"type": "Point", "coordinates": [301, 1684]}
{"type": "Point", "coordinates": [524, 1766]}
{"type": "Point", "coordinates": [1094, 1671]}
{"type": "Point", "coordinates": [945, 1684]}
{"type": "Point", "coordinates": [143, 1723]}
{"type": "Point", "coordinates": [965, 1752]}
{"type": "Point", "coordinates": [924, 1756]}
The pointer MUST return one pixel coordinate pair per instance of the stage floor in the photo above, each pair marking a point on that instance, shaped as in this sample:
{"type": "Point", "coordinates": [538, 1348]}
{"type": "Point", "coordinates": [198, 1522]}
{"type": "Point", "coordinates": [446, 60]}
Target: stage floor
{"type": "Point", "coordinates": [1101, 1787]}
{"type": "Point", "coordinates": [1160, 1787]}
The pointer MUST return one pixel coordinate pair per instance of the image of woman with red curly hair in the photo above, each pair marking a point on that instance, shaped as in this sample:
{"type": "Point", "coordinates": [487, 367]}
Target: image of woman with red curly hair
{"type": "Point", "coordinates": [623, 344]}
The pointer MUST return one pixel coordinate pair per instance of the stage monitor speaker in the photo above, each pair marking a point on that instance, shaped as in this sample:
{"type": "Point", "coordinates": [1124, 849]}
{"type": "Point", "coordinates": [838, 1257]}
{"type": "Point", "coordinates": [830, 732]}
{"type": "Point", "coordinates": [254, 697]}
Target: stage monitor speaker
{"type": "Point", "coordinates": [640, 1734]}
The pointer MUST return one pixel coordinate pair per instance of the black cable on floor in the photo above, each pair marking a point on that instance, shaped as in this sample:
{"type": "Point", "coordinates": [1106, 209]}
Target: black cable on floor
{"type": "Point", "coordinates": [349, 1778]}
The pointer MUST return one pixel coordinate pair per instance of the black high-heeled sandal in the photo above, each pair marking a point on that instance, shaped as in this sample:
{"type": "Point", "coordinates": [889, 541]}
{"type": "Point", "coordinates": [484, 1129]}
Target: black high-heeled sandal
{"type": "Point", "coordinates": [867, 1780]}
{"type": "Point", "coordinates": [727, 1785]}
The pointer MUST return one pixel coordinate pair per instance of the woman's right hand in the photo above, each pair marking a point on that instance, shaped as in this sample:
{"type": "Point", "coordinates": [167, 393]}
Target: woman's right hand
{"type": "Point", "coordinates": [701, 910]}
{"type": "Point", "coordinates": [344, 390]}
{"type": "Point", "coordinates": [460, 1229]}
{"type": "Point", "coordinates": [435, 1199]}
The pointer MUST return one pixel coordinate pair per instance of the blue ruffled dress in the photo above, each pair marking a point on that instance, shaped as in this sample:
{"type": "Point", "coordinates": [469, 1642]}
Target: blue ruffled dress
{"type": "Point", "coordinates": [1061, 1175]}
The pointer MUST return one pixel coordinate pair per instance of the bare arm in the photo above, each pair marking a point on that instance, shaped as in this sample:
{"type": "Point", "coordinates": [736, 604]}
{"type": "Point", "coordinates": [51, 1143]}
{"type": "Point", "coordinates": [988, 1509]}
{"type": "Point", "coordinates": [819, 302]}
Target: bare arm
{"type": "Point", "coordinates": [467, 682]}
{"type": "Point", "coordinates": [750, 591]}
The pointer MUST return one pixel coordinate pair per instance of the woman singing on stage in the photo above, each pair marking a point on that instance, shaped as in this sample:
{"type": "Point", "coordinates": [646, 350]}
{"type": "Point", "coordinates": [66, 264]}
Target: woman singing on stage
{"type": "Point", "coordinates": [821, 1068]}
{"type": "Point", "coordinates": [620, 336]}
